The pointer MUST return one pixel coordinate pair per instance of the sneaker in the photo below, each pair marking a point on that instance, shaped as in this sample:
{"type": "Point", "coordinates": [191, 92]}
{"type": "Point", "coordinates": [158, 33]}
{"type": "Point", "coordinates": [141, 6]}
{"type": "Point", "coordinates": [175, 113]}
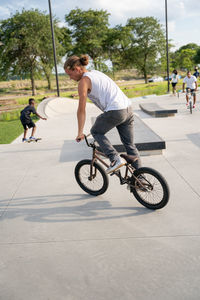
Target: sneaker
{"type": "Point", "coordinates": [115, 165]}
{"type": "Point", "coordinates": [32, 138]}
{"type": "Point", "coordinates": [24, 140]}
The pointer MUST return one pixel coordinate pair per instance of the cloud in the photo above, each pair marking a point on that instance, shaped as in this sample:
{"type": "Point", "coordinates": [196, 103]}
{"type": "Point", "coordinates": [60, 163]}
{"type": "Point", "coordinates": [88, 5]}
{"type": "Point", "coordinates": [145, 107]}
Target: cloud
{"type": "Point", "coordinates": [4, 12]}
{"type": "Point", "coordinates": [172, 26]}
{"type": "Point", "coordinates": [182, 14]}
{"type": "Point", "coordinates": [120, 10]}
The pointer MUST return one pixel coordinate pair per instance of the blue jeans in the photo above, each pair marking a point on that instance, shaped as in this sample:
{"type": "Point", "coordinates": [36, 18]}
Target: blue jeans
{"type": "Point", "coordinates": [123, 120]}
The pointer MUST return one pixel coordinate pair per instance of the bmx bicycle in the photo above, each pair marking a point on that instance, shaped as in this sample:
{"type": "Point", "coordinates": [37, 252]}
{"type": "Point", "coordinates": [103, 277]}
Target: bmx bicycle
{"type": "Point", "coordinates": [147, 185]}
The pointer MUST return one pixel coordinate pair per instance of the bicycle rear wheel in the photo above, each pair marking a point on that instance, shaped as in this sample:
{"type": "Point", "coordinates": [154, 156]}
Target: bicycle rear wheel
{"type": "Point", "coordinates": [151, 189]}
{"type": "Point", "coordinates": [94, 183]}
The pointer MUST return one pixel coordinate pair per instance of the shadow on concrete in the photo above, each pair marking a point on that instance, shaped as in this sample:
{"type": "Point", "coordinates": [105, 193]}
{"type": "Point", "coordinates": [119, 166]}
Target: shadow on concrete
{"type": "Point", "coordinates": [194, 138]}
{"type": "Point", "coordinates": [49, 210]}
{"type": "Point", "coordinates": [73, 151]}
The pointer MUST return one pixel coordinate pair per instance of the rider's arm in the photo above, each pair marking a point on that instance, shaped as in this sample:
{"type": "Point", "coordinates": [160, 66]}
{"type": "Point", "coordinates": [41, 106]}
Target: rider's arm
{"type": "Point", "coordinates": [40, 116]}
{"type": "Point", "coordinates": [81, 113]}
{"type": "Point", "coordinates": [183, 87]}
{"type": "Point", "coordinates": [196, 86]}
{"type": "Point", "coordinates": [33, 110]}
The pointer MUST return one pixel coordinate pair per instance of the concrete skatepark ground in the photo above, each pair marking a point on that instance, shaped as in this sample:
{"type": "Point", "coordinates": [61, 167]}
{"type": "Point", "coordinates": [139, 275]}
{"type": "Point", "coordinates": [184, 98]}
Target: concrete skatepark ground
{"type": "Point", "coordinates": [59, 243]}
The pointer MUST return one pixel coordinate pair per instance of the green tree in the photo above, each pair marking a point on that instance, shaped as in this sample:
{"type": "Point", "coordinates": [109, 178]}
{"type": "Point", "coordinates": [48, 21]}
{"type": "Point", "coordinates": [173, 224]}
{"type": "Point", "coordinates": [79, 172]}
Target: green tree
{"type": "Point", "coordinates": [185, 58]}
{"type": "Point", "coordinates": [147, 44]}
{"type": "Point", "coordinates": [191, 46]}
{"type": "Point", "coordinates": [27, 46]}
{"type": "Point", "coordinates": [163, 60]}
{"type": "Point", "coordinates": [197, 56]}
{"type": "Point", "coordinates": [63, 42]}
{"type": "Point", "coordinates": [89, 30]}
{"type": "Point", "coordinates": [116, 44]}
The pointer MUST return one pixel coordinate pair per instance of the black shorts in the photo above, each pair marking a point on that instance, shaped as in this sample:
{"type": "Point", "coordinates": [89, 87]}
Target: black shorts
{"type": "Point", "coordinates": [192, 91]}
{"type": "Point", "coordinates": [27, 124]}
{"type": "Point", "coordinates": [174, 84]}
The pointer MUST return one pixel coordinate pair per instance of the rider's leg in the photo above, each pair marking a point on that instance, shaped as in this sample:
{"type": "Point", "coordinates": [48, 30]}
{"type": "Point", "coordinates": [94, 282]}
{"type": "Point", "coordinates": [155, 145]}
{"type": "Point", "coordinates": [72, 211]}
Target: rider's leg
{"type": "Point", "coordinates": [102, 125]}
{"type": "Point", "coordinates": [33, 131]}
{"type": "Point", "coordinates": [126, 134]}
{"type": "Point", "coordinates": [175, 90]}
{"type": "Point", "coordinates": [187, 99]}
{"type": "Point", "coordinates": [25, 132]}
{"type": "Point", "coordinates": [194, 96]}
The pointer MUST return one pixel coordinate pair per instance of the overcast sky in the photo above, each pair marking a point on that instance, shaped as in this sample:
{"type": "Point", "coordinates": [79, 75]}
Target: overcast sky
{"type": "Point", "coordinates": [183, 15]}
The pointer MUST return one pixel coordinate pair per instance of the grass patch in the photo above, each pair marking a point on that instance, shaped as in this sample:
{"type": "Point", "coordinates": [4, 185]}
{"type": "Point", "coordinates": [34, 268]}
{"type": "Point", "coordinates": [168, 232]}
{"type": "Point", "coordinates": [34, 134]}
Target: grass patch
{"type": "Point", "coordinates": [9, 130]}
{"type": "Point", "coordinates": [38, 98]}
{"type": "Point", "coordinates": [145, 89]}
{"type": "Point", "coordinates": [157, 88]}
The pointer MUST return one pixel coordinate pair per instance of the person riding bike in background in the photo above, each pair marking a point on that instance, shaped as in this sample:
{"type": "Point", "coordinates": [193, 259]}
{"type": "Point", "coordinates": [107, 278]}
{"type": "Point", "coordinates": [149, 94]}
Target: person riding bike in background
{"type": "Point", "coordinates": [115, 105]}
{"type": "Point", "coordinates": [191, 82]}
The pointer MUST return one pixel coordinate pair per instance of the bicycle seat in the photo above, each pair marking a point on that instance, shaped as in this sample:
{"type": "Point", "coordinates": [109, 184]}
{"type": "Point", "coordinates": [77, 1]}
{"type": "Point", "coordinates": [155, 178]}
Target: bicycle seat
{"type": "Point", "coordinates": [129, 158]}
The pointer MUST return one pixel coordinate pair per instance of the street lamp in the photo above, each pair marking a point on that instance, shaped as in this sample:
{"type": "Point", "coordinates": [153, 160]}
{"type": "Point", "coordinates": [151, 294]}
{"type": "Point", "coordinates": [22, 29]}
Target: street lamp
{"type": "Point", "coordinates": [54, 48]}
{"type": "Point", "coordinates": [167, 48]}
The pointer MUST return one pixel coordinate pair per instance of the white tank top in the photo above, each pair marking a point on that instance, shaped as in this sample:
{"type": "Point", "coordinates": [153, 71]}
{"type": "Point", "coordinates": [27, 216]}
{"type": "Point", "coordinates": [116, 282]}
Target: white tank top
{"type": "Point", "coordinates": [105, 93]}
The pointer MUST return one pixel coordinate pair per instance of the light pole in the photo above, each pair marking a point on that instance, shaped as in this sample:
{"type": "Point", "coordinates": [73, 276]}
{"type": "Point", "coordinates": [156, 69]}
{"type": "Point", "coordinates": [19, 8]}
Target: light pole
{"type": "Point", "coordinates": [167, 48]}
{"type": "Point", "coordinates": [54, 48]}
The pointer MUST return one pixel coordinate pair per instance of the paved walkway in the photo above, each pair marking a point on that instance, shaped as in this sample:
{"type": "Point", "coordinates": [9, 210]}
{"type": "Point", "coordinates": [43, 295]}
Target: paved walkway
{"type": "Point", "coordinates": [58, 243]}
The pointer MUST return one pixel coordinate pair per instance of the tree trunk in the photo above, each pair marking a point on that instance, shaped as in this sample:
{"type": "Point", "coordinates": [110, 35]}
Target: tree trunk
{"type": "Point", "coordinates": [48, 77]}
{"type": "Point", "coordinates": [33, 84]}
{"type": "Point", "coordinates": [145, 70]}
{"type": "Point", "coordinates": [95, 65]}
{"type": "Point", "coordinates": [113, 67]}
{"type": "Point", "coordinates": [145, 76]}
{"type": "Point", "coordinates": [49, 81]}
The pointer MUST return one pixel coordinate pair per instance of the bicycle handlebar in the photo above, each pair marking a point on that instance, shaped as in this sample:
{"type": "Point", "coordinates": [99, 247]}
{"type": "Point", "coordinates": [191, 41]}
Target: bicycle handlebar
{"type": "Point", "coordinates": [86, 140]}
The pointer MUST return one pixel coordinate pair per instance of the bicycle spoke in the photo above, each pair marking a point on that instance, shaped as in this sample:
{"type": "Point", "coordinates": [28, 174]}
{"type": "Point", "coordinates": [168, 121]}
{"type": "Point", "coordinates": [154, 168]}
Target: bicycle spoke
{"type": "Point", "coordinates": [95, 183]}
{"type": "Point", "coordinates": [153, 191]}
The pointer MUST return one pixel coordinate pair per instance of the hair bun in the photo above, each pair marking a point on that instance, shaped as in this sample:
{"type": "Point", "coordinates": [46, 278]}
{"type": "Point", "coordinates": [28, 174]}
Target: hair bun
{"type": "Point", "coordinates": [84, 60]}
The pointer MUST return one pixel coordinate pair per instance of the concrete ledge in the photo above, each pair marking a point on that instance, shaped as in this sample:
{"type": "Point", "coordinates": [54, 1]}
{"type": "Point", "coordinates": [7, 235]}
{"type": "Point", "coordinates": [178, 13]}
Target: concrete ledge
{"type": "Point", "coordinates": [155, 110]}
{"type": "Point", "coordinates": [146, 140]}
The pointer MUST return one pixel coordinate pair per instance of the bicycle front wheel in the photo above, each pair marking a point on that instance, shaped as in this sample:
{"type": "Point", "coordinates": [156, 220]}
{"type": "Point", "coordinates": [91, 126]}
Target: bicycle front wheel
{"type": "Point", "coordinates": [150, 188]}
{"type": "Point", "coordinates": [191, 107]}
{"type": "Point", "coordinates": [92, 179]}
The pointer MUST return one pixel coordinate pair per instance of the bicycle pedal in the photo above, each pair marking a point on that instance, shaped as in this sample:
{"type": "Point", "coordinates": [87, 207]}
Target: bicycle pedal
{"type": "Point", "coordinates": [114, 173]}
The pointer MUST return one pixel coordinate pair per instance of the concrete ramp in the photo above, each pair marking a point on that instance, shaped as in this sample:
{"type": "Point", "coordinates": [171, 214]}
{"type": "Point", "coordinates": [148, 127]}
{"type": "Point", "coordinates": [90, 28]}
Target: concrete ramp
{"type": "Point", "coordinates": [56, 106]}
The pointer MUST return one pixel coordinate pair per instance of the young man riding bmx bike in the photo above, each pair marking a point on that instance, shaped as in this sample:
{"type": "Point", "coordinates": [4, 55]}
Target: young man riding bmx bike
{"type": "Point", "coordinates": [115, 106]}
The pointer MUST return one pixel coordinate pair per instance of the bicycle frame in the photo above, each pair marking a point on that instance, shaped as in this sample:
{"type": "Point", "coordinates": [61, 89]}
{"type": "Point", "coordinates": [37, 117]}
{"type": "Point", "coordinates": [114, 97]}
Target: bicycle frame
{"type": "Point", "coordinates": [95, 157]}
{"type": "Point", "coordinates": [190, 96]}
